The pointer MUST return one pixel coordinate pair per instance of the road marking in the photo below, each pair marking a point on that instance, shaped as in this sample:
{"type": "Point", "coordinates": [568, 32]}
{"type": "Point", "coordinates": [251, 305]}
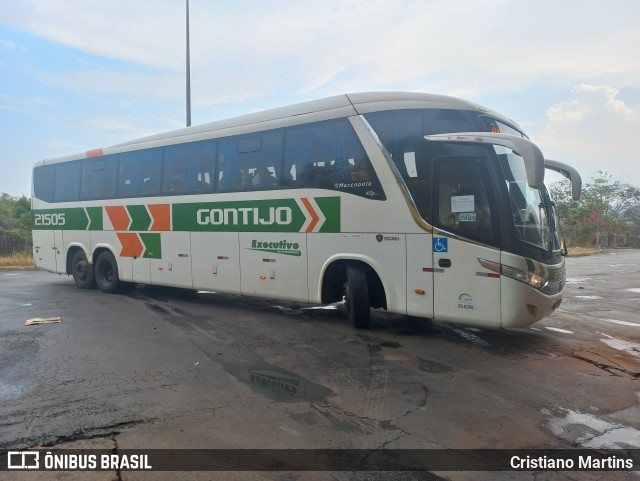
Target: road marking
{"type": "Point", "coordinates": [613, 321]}
{"type": "Point", "coordinates": [557, 329]}
{"type": "Point", "coordinates": [622, 323]}
{"type": "Point", "coordinates": [633, 289]}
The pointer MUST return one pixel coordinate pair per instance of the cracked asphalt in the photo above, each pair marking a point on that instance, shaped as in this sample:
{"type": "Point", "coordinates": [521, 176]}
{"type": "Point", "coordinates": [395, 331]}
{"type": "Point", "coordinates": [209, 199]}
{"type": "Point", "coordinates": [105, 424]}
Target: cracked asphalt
{"type": "Point", "coordinates": [169, 368]}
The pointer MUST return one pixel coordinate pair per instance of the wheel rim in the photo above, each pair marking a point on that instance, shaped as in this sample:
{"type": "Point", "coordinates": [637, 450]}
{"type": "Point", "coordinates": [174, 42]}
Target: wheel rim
{"type": "Point", "coordinates": [106, 273]}
{"type": "Point", "coordinates": [81, 270]}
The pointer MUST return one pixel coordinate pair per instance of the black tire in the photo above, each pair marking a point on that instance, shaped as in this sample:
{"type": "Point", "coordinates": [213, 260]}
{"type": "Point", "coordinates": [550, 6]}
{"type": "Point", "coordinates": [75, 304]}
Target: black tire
{"type": "Point", "coordinates": [357, 297]}
{"type": "Point", "coordinates": [82, 271]}
{"type": "Point", "coordinates": [106, 272]}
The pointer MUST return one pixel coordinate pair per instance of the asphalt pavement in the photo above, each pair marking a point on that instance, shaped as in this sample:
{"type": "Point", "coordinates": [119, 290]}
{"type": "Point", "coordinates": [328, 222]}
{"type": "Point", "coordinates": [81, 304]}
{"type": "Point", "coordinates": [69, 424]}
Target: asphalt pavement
{"type": "Point", "coordinates": [164, 368]}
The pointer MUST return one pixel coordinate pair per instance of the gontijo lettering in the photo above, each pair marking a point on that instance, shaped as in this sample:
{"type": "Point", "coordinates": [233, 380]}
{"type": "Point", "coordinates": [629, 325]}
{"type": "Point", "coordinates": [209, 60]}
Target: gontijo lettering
{"type": "Point", "coordinates": [245, 216]}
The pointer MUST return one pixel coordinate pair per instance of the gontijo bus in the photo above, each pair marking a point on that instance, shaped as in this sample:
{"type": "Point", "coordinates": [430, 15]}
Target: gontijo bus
{"type": "Point", "coordinates": [420, 204]}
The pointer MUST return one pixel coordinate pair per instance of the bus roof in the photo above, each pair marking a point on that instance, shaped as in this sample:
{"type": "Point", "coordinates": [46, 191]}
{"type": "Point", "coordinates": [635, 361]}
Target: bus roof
{"type": "Point", "coordinates": [314, 110]}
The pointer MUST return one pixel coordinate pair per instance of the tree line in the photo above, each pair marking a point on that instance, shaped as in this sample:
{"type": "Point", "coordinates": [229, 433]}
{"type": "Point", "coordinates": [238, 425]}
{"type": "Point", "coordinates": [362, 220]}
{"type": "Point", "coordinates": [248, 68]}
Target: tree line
{"type": "Point", "coordinates": [15, 217]}
{"type": "Point", "coordinates": [607, 214]}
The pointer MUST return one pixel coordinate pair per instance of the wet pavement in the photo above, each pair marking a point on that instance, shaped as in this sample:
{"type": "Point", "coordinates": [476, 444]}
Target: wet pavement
{"type": "Point", "coordinates": [168, 368]}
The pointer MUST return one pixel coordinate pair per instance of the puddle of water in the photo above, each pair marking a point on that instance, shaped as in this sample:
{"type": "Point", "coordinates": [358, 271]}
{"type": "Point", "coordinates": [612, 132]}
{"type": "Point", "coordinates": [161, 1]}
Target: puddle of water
{"type": "Point", "coordinates": [632, 348]}
{"type": "Point", "coordinates": [557, 329]}
{"type": "Point", "coordinates": [12, 391]}
{"type": "Point", "coordinates": [330, 307]}
{"type": "Point", "coordinates": [468, 336]}
{"type": "Point", "coordinates": [288, 310]}
{"type": "Point", "coordinates": [433, 366]}
{"type": "Point", "coordinates": [374, 344]}
{"type": "Point", "coordinates": [615, 438]}
{"type": "Point", "coordinates": [590, 431]}
{"type": "Point", "coordinates": [262, 377]}
{"type": "Point", "coordinates": [577, 280]}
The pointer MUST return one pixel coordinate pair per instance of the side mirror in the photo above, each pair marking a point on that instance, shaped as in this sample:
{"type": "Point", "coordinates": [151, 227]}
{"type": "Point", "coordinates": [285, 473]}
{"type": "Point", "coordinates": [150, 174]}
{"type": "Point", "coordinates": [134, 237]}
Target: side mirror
{"type": "Point", "coordinates": [568, 172]}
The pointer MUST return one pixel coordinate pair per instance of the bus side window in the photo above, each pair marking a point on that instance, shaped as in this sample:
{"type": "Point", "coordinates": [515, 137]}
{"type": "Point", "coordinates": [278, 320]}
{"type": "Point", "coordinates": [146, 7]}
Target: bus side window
{"type": "Point", "coordinates": [151, 169]}
{"type": "Point", "coordinates": [175, 168]}
{"type": "Point", "coordinates": [44, 182]}
{"type": "Point", "coordinates": [328, 155]}
{"type": "Point", "coordinates": [139, 173]}
{"type": "Point", "coordinates": [67, 181]}
{"type": "Point", "coordinates": [250, 162]}
{"type": "Point", "coordinates": [202, 167]}
{"type": "Point", "coordinates": [99, 177]}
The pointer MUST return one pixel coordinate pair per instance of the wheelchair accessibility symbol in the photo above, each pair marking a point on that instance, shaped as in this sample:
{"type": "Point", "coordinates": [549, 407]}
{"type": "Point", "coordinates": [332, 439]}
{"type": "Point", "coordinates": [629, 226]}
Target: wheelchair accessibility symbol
{"type": "Point", "coordinates": [440, 244]}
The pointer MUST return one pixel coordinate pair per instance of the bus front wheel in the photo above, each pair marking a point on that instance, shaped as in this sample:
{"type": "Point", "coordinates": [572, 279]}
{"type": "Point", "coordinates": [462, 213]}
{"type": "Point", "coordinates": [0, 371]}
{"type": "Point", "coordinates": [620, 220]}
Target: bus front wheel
{"type": "Point", "coordinates": [82, 271]}
{"type": "Point", "coordinates": [106, 272]}
{"type": "Point", "coordinates": [357, 297]}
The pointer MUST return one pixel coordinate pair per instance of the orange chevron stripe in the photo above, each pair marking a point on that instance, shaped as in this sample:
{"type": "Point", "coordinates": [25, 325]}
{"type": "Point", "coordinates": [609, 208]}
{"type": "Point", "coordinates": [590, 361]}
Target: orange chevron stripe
{"type": "Point", "coordinates": [161, 214]}
{"type": "Point", "coordinates": [131, 245]}
{"type": "Point", "coordinates": [314, 217]}
{"type": "Point", "coordinates": [118, 216]}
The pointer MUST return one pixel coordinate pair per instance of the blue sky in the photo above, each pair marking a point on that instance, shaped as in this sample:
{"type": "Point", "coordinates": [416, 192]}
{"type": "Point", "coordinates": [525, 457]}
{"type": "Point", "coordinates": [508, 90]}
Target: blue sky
{"type": "Point", "coordinates": [81, 74]}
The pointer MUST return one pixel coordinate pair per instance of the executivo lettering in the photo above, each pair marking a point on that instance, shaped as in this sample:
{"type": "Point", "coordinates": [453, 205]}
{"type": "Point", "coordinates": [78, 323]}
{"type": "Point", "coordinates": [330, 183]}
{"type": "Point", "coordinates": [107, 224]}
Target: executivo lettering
{"type": "Point", "coordinates": [282, 247]}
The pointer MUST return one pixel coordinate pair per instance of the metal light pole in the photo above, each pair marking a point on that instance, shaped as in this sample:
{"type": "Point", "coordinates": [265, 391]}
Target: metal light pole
{"type": "Point", "coordinates": [188, 73]}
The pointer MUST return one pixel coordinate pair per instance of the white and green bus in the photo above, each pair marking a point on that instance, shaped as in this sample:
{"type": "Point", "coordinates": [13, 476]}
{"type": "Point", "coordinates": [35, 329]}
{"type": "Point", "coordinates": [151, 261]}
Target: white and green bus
{"type": "Point", "coordinates": [419, 204]}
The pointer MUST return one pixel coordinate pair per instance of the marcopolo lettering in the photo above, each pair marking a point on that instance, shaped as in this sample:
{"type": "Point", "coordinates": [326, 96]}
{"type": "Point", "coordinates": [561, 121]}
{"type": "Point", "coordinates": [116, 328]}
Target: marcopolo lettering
{"type": "Point", "coordinates": [245, 216]}
{"type": "Point", "coordinates": [351, 185]}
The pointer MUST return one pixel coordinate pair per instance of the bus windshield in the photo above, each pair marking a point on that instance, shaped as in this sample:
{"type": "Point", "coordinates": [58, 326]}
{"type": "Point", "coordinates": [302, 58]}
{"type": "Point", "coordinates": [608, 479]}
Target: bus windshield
{"type": "Point", "coordinates": [533, 216]}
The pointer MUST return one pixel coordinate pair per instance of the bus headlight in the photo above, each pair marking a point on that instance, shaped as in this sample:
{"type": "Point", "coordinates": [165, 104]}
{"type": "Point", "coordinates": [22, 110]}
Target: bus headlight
{"type": "Point", "coordinates": [530, 278]}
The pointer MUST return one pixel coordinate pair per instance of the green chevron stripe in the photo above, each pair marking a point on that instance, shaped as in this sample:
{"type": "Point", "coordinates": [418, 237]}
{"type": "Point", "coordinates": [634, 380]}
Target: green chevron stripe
{"type": "Point", "coordinates": [140, 218]}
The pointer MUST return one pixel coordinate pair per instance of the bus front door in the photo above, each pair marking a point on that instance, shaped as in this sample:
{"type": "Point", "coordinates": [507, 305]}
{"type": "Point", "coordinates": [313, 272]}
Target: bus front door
{"type": "Point", "coordinates": [463, 203]}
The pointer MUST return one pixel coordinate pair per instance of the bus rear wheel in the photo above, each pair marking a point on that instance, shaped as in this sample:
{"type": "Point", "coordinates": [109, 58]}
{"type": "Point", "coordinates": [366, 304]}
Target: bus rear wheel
{"type": "Point", "coordinates": [106, 272]}
{"type": "Point", "coordinates": [357, 297]}
{"type": "Point", "coordinates": [82, 271]}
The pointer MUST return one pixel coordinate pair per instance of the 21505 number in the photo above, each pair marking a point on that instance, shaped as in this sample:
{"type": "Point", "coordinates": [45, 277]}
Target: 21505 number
{"type": "Point", "coordinates": [49, 219]}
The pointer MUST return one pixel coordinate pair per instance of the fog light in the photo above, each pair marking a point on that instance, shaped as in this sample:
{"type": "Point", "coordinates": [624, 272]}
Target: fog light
{"type": "Point", "coordinates": [533, 310]}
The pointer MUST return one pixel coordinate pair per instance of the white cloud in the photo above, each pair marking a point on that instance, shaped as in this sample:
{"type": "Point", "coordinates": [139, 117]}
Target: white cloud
{"type": "Point", "coordinates": [119, 129]}
{"type": "Point", "coordinates": [8, 44]}
{"type": "Point", "coordinates": [126, 85]}
{"type": "Point", "coordinates": [21, 104]}
{"type": "Point", "coordinates": [596, 129]}
{"type": "Point", "coordinates": [333, 46]}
